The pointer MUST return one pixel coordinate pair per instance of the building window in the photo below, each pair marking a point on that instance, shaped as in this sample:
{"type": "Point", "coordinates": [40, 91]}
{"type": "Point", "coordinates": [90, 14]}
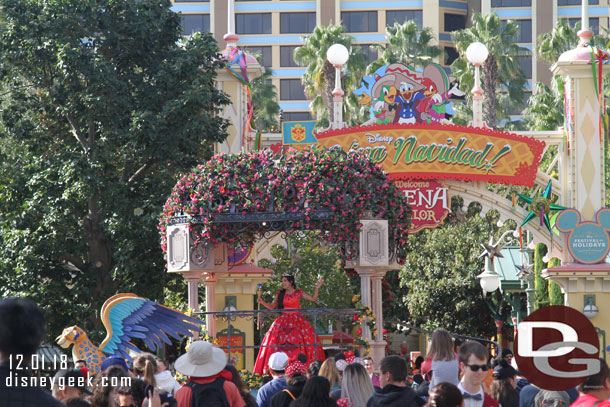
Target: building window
{"type": "Point", "coordinates": [359, 21]}
{"type": "Point", "coordinates": [575, 2]}
{"type": "Point", "coordinates": [525, 63]}
{"type": "Point", "coordinates": [524, 31]}
{"type": "Point", "coordinates": [451, 55]}
{"type": "Point", "coordinates": [454, 22]}
{"type": "Point", "coordinates": [297, 23]}
{"type": "Point", "coordinates": [292, 89]}
{"type": "Point", "coordinates": [297, 116]}
{"type": "Point", "coordinates": [511, 3]}
{"type": "Point", "coordinates": [400, 16]}
{"type": "Point", "coordinates": [370, 52]}
{"type": "Point", "coordinates": [593, 23]}
{"type": "Point", "coordinates": [253, 23]}
{"type": "Point", "coordinates": [287, 56]}
{"type": "Point", "coordinates": [195, 22]}
{"type": "Point", "coordinates": [264, 53]}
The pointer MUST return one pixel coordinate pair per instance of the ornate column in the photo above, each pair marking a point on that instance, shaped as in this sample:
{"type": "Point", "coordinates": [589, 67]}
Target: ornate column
{"type": "Point", "coordinates": [365, 274]}
{"type": "Point", "coordinates": [371, 265]}
{"type": "Point", "coordinates": [194, 262]}
{"type": "Point", "coordinates": [583, 164]}
{"type": "Point", "coordinates": [210, 303]}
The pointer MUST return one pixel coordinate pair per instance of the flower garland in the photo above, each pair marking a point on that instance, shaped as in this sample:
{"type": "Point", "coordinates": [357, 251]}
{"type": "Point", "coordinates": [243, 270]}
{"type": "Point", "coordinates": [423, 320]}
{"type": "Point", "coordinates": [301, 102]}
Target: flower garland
{"type": "Point", "coordinates": [347, 184]}
{"type": "Point", "coordinates": [367, 317]}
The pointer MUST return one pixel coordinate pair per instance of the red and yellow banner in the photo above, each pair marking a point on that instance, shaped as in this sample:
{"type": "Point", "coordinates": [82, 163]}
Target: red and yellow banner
{"type": "Point", "coordinates": [435, 151]}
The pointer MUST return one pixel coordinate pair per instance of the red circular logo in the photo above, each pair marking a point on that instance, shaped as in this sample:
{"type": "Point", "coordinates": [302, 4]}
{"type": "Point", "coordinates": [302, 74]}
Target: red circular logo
{"type": "Point", "coordinates": [556, 348]}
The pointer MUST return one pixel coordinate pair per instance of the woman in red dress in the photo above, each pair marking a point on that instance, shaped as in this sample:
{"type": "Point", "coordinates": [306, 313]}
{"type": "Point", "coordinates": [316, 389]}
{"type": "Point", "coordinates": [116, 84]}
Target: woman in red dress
{"type": "Point", "coordinates": [290, 328]}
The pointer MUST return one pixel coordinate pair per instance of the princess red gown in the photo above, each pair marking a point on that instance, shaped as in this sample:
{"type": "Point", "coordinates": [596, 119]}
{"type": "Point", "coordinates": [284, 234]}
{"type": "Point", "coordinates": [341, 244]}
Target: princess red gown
{"type": "Point", "coordinates": [290, 328]}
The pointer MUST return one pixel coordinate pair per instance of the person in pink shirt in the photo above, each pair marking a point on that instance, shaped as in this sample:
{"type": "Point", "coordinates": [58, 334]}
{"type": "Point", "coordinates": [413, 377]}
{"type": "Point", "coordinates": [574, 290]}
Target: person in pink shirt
{"type": "Point", "coordinates": [595, 390]}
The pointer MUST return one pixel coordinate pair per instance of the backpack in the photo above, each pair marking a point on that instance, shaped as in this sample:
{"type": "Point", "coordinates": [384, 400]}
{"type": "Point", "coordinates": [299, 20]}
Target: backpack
{"type": "Point", "coordinates": [209, 394]}
{"type": "Point", "coordinates": [547, 398]}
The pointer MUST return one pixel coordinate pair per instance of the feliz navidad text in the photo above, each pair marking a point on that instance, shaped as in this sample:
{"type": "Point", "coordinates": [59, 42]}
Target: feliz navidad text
{"type": "Point", "coordinates": [409, 150]}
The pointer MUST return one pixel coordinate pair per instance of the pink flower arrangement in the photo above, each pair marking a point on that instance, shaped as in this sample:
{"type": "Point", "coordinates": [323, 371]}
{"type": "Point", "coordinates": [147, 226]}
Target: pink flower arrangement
{"type": "Point", "coordinates": [347, 184]}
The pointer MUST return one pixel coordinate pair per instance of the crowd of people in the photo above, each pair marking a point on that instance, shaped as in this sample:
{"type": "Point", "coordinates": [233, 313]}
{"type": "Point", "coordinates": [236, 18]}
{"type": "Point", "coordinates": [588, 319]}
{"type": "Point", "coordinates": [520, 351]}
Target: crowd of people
{"type": "Point", "coordinates": [445, 378]}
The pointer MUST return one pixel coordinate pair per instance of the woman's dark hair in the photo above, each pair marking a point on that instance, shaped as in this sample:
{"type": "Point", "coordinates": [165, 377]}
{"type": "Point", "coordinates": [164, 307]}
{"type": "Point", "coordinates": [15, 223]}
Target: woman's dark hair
{"type": "Point", "coordinates": [501, 388]}
{"type": "Point", "coordinates": [280, 298]}
{"type": "Point", "coordinates": [296, 380]}
{"type": "Point", "coordinates": [101, 393]}
{"type": "Point", "coordinates": [596, 381]}
{"type": "Point", "coordinates": [241, 386]}
{"type": "Point", "coordinates": [315, 394]}
{"type": "Point", "coordinates": [314, 368]}
{"type": "Point", "coordinates": [445, 395]}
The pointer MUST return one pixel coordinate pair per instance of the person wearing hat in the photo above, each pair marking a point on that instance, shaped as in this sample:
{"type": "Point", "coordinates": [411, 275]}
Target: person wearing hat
{"type": "Point", "coordinates": [114, 361]}
{"type": "Point", "coordinates": [69, 383]}
{"type": "Point", "coordinates": [296, 377]}
{"type": "Point", "coordinates": [277, 367]}
{"type": "Point", "coordinates": [503, 388]}
{"type": "Point", "coordinates": [208, 383]}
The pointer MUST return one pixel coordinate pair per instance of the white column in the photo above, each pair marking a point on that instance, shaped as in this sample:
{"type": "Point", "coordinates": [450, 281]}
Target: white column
{"type": "Point", "coordinates": [210, 304]}
{"type": "Point", "coordinates": [192, 280]}
{"type": "Point", "coordinates": [378, 344]}
{"type": "Point", "coordinates": [365, 295]}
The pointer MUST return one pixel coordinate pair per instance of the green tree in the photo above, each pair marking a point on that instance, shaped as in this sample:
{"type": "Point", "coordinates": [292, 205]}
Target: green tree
{"type": "Point", "coordinates": [319, 77]}
{"type": "Point", "coordinates": [541, 286]}
{"type": "Point", "coordinates": [502, 80]}
{"type": "Point", "coordinates": [555, 295]}
{"type": "Point", "coordinates": [103, 105]}
{"type": "Point", "coordinates": [439, 276]}
{"type": "Point", "coordinates": [406, 44]}
{"type": "Point", "coordinates": [308, 260]}
{"type": "Point", "coordinates": [546, 106]}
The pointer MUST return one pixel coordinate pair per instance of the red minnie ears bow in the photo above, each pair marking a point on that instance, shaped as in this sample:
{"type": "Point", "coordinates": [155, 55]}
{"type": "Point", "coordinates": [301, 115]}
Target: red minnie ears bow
{"type": "Point", "coordinates": [296, 366]}
{"type": "Point", "coordinates": [349, 357]}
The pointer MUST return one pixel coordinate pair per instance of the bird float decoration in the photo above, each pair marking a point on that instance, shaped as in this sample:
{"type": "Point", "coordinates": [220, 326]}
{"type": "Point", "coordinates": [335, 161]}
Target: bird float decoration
{"type": "Point", "coordinates": [127, 316]}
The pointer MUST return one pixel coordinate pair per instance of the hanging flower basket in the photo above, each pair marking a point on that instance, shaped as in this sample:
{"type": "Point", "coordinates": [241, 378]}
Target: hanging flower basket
{"type": "Point", "coordinates": [303, 183]}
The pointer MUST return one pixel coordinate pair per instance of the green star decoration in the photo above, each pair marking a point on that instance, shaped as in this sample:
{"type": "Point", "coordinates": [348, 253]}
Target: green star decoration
{"type": "Point", "coordinates": [541, 207]}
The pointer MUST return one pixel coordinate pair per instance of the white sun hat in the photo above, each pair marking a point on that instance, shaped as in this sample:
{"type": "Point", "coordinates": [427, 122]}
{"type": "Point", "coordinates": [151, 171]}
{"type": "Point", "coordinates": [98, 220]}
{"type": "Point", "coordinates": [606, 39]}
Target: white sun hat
{"type": "Point", "coordinates": [202, 360]}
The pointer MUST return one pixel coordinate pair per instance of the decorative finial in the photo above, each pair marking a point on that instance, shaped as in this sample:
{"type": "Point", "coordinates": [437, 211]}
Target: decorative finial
{"type": "Point", "coordinates": [584, 33]}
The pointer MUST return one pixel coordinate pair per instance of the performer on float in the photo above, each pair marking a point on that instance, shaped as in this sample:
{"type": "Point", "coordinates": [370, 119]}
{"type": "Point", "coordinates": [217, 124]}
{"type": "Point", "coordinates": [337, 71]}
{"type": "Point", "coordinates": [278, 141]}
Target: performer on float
{"type": "Point", "coordinates": [290, 328]}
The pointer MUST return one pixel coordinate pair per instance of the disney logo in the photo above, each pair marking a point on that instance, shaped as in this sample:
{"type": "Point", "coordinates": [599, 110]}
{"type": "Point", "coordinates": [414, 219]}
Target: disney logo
{"type": "Point", "coordinates": [376, 138]}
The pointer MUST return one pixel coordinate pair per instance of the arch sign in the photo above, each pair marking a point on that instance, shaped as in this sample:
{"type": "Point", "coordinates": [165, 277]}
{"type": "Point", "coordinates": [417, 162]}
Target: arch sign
{"type": "Point", "coordinates": [437, 151]}
{"type": "Point", "coordinates": [410, 135]}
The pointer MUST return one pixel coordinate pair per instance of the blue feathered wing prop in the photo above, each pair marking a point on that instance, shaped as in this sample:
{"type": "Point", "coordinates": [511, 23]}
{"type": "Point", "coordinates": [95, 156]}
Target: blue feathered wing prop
{"type": "Point", "coordinates": [127, 316]}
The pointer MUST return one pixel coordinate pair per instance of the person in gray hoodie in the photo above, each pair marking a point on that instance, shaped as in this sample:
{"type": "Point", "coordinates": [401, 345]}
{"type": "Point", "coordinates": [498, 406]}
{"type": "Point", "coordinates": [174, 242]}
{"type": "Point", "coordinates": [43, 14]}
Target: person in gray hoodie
{"type": "Point", "coordinates": [394, 391]}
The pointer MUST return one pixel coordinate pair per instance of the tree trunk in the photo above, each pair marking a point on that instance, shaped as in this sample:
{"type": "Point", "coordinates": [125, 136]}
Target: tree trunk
{"type": "Point", "coordinates": [329, 85]}
{"type": "Point", "coordinates": [100, 251]}
{"type": "Point", "coordinates": [489, 85]}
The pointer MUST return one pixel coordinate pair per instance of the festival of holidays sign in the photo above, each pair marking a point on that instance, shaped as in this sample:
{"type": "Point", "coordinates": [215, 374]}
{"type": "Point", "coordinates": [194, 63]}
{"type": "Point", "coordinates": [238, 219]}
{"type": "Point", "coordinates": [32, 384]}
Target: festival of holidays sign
{"type": "Point", "coordinates": [588, 242]}
{"type": "Point", "coordinates": [428, 201]}
{"type": "Point", "coordinates": [438, 151]}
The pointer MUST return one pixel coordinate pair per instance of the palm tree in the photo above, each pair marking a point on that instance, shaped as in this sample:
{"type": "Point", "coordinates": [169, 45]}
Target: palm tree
{"type": "Point", "coordinates": [501, 69]}
{"type": "Point", "coordinates": [406, 44]}
{"type": "Point", "coordinates": [546, 107]}
{"type": "Point", "coordinates": [319, 77]}
{"type": "Point", "coordinates": [264, 100]}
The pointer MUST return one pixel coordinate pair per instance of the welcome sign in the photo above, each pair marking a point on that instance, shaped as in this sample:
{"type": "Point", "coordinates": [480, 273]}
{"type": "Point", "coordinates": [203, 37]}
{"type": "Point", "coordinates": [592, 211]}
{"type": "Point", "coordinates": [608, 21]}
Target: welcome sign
{"type": "Point", "coordinates": [437, 151]}
{"type": "Point", "coordinates": [428, 201]}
